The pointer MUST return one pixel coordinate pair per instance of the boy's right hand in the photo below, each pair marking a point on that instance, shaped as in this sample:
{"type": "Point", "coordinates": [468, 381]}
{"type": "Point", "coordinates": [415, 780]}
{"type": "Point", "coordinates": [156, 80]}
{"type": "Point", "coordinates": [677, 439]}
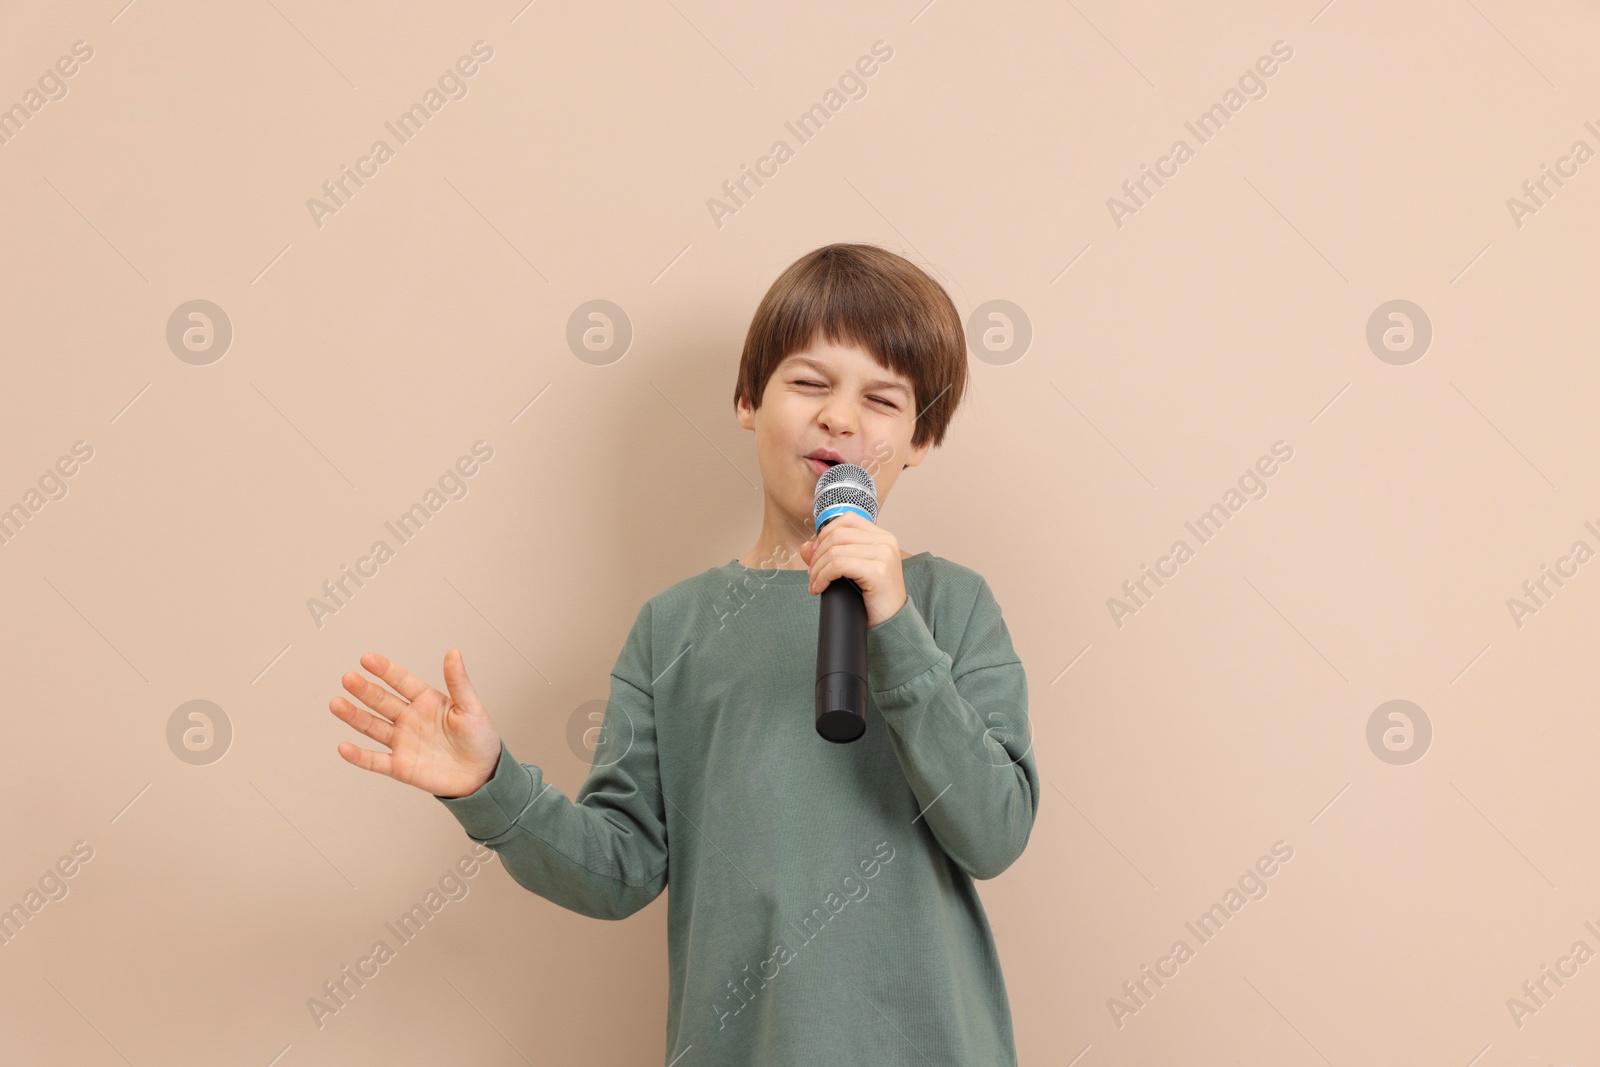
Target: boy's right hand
{"type": "Point", "coordinates": [443, 743]}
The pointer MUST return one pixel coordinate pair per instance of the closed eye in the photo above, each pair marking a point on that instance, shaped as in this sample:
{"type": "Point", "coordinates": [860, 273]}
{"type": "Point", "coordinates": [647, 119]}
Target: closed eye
{"type": "Point", "coordinates": [885, 402]}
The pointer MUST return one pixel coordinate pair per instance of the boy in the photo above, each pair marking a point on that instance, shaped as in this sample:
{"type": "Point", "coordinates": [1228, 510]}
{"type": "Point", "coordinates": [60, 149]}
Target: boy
{"type": "Point", "coordinates": [822, 907]}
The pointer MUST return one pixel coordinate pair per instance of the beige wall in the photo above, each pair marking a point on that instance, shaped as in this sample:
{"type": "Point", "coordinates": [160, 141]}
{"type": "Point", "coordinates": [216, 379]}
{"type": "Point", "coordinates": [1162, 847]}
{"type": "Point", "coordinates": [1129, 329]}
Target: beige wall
{"type": "Point", "coordinates": [1173, 347]}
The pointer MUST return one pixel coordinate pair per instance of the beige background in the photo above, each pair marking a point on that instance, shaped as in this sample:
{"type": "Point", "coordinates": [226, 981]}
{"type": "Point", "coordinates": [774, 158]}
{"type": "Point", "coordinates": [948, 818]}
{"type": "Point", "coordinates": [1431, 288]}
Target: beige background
{"type": "Point", "coordinates": [1167, 356]}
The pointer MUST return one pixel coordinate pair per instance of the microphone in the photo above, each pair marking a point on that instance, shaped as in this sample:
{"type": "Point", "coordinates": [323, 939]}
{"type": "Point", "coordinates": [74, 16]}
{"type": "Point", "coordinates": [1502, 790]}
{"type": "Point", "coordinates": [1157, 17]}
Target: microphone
{"type": "Point", "coordinates": [842, 624]}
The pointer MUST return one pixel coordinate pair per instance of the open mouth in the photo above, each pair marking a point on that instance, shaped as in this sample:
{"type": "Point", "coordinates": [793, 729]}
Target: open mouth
{"type": "Point", "coordinates": [818, 466]}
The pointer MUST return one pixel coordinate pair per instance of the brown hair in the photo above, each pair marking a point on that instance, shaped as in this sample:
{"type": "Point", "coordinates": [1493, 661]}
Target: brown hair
{"type": "Point", "coordinates": [869, 297]}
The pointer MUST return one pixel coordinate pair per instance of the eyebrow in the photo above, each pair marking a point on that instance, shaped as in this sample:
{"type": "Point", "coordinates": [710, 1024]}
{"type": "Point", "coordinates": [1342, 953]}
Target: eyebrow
{"type": "Point", "coordinates": [821, 369]}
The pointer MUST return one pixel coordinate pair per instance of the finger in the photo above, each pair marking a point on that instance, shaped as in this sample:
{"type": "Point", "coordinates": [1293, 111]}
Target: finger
{"type": "Point", "coordinates": [367, 760]}
{"type": "Point", "coordinates": [850, 549]}
{"type": "Point", "coordinates": [373, 696]}
{"type": "Point", "coordinates": [455, 679]}
{"type": "Point", "coordinates": [842, 520]}
{"type": "Point", "coordinates": [837, 533]}
{"type": "Point", "coordinates": [820, 543]}
{"type": "Point", "coordinates": [850, 524]}
{"type": "Point", "coordinates": [401, 680]}
{"type": "Point", "coordinates": [380, 730]}
{"type": "Point", "coordinates": [855, 535]}
{"type": "Point", "coordinates": [862, 563]}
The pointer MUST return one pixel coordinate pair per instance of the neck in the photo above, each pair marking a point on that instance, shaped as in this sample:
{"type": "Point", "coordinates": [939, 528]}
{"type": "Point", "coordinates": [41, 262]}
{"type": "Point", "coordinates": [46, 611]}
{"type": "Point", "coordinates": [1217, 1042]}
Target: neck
{"type": "Point", "coordinates": [779, 543]}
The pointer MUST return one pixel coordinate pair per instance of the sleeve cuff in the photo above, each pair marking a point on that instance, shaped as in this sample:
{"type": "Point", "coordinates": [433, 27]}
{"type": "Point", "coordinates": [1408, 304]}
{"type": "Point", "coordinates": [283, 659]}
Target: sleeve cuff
{"type": "Point", "coordinates": [495, 807]}
{"type": "Point", "coordinates": [900, 648]}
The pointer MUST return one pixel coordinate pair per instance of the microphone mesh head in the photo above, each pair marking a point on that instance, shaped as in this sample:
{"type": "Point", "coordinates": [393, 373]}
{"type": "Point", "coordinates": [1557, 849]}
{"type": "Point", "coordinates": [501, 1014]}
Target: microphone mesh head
{"type": "Point", "coordinates": [845, 483]}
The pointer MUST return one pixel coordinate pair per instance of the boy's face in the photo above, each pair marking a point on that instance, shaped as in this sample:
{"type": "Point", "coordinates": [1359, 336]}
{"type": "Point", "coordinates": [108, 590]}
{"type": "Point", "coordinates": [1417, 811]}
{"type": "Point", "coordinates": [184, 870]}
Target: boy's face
{"type": "Point", "coordinates": [837, 398]}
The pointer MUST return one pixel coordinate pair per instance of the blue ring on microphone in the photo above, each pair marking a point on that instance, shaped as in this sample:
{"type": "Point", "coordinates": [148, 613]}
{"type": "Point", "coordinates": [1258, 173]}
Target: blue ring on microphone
{"type": "Point", "coordinates": [835, 511]}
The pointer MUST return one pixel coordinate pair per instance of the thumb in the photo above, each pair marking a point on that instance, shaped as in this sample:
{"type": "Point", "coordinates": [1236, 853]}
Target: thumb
{"type": "Point", "coordinates": [806, 548]}
{"type": "Point", "coordinates": [455, 679]}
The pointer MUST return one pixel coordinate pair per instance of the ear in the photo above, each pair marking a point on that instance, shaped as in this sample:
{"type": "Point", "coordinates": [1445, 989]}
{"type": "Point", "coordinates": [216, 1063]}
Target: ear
{"type": "Point", "coordinates": [918, 454]}
{"type": "Point", "coordinates": [745, 414]}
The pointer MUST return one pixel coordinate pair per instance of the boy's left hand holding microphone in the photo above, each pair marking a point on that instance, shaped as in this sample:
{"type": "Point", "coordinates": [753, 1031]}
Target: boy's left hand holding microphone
{"type": "Point", "coordinates": [854, 547]}
{"type": "Point", "coordinates": [443, 743]}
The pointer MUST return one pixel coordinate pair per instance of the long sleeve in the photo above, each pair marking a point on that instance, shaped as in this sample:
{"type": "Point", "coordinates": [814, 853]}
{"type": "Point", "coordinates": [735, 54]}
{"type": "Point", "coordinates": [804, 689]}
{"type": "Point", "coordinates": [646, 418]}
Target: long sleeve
{"type": "Point", "coordinates": [603, 854]}
{"type": "Point", "coordinates": [959, 725]}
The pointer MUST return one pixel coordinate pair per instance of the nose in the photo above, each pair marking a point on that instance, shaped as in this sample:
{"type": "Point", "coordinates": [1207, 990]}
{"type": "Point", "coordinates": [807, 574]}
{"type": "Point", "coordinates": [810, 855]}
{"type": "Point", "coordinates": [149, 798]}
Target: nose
{"type": "Point", "coordinates": [837, 416]}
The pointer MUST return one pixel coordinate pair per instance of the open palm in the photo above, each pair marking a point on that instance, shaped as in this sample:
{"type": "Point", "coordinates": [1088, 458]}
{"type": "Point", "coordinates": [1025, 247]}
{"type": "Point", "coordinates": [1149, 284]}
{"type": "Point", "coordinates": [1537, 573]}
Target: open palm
{"type": "Point", "coordinates": [441, 742]}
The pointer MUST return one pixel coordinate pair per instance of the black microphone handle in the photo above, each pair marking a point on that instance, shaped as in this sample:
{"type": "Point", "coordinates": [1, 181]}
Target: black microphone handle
{"type": "Point", "coordinates": [842, 662]}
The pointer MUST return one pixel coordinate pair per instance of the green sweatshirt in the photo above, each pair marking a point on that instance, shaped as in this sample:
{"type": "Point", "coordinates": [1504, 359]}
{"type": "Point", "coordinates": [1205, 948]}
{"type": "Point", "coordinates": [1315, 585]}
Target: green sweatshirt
{"type": "Point", "coordinates": [822, 907]}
